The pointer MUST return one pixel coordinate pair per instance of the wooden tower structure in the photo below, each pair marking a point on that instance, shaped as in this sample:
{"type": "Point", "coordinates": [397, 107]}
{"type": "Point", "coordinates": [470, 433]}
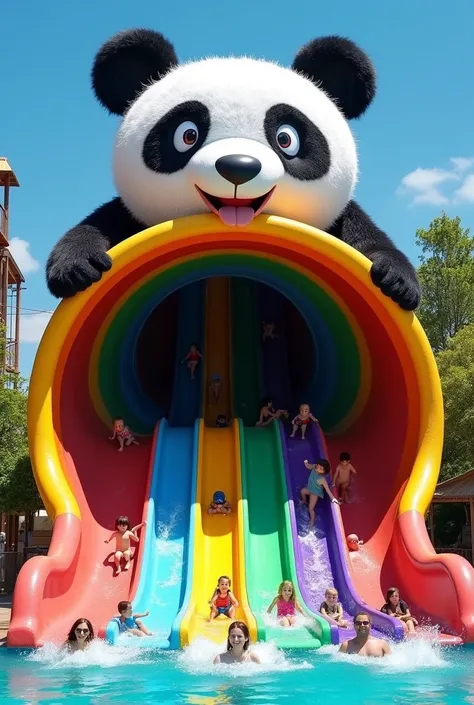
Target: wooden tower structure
{"type": "Point", "coordinates": [11, 279]}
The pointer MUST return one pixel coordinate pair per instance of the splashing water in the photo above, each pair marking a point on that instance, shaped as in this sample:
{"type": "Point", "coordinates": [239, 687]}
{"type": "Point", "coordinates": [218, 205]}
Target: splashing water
{"type": "Point", "coordinates": [317, 574]}
{"type": "Point", "coordinates": [199, 656]}
{"type": "Point", "coordinates": [99, 653]}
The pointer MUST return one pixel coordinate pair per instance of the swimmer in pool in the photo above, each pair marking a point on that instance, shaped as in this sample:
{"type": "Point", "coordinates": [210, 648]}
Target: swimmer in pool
{"type": "Point", "coordinates": [363, 644]}
{"type": "Point", "coordinates": [238, 642]}
{"type": "Point", "coordinates": [80, 636]}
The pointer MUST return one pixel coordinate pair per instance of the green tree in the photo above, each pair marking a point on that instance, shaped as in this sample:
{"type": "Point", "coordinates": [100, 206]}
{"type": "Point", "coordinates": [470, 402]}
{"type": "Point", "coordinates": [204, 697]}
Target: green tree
{"type": "Point", "coordinates": [18, 492]}
{"type": "Point", "coordinates": [446, 276]}
{"type": "Point", "coordinates": [456, 369]}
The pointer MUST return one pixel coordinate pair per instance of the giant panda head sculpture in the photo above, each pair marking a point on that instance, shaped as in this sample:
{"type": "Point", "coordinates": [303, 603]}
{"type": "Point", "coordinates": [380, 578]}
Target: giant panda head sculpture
{"type": "Point", "coordinates": [234, 136]}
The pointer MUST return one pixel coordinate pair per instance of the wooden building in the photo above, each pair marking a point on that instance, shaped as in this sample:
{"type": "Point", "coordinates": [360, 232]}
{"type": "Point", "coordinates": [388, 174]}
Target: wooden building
{"type": "Point", "coordinates": [456, 491]}
{"type": "Point", "coordinates": [11, 278]}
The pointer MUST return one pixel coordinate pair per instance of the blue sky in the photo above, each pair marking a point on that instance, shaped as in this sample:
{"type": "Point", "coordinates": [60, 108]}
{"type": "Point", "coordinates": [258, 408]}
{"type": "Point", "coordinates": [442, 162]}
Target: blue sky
{"type": "Point", "coordinates": [416, 142]}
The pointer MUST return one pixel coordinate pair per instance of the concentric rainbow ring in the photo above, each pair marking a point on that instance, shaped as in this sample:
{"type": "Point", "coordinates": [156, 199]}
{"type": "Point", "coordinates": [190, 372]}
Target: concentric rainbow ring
{"type": "Point", "coordinates": [295, 250]}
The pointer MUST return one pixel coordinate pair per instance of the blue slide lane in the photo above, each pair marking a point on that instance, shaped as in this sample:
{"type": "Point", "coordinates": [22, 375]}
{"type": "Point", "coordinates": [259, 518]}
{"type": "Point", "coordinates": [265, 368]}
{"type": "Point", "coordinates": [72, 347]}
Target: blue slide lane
{"type": "Point", "coordinates": [186, 402]}
{"type": "Point", "coordinates": [166, 540]}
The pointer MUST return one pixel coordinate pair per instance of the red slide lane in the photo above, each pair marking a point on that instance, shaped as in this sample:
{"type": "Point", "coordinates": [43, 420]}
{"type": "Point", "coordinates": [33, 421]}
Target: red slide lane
{"type": "Point", "coordinates": [76, 578]}
{"type": "Point", "coordinates": [397, 551]}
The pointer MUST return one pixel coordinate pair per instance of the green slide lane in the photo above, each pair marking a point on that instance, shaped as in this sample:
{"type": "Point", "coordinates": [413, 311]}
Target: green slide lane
{"type": "Point", "coordinates": [269, 557]}
{"type": "Point", "coordinates": [245, 351]}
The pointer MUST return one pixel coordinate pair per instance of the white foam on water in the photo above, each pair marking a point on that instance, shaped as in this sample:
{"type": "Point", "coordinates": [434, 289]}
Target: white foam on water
{"type": "Point", "coordinates": [99, 653]}
{"type": "Point", "coordinates": [317, 572]}
{"type": "Point", "coordinates": [414, 654]}
{"type": "Point", "coordinates": [199, 656]}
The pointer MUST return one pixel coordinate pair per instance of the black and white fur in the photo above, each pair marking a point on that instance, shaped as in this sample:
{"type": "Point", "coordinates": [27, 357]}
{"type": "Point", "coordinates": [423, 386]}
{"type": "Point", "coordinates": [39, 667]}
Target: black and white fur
{"type": "Point", "coordinates": [234, 129]}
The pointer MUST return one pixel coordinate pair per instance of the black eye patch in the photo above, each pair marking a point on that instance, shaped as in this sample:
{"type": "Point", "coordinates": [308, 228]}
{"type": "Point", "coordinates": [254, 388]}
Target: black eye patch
{"type": "Point", "coordinates": [313, 159]}
{"type": "Point", "coordinates": [159, 152]}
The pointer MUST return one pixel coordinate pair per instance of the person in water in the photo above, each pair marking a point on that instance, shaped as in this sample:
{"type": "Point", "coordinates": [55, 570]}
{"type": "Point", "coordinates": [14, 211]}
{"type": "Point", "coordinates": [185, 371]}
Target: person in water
{"type": "Point", "coordinates": [363, 644]}
{"type": "Point", "coordinates": [238, 642]}
{"type": "Point", "coordinates": [80, 635]}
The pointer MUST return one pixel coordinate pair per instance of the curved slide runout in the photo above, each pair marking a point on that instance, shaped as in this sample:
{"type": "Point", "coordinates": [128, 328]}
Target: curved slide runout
{"type": "Point", "coordinates": [217, 548]}
{"type": "Point", "coordinates": [269, 553]}
{"type": "Point", "coordinates": [321, 555]}
{"type": "Point", "coordinates": [161, 589]}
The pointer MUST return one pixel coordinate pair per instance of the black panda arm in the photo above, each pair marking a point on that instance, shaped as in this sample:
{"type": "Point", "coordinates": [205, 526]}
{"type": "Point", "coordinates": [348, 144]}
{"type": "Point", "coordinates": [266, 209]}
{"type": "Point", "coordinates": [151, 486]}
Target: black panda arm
{"type": "Point", "coordinates": [80, 257]}
{"type": "Point", "coordinates": [391, 271]}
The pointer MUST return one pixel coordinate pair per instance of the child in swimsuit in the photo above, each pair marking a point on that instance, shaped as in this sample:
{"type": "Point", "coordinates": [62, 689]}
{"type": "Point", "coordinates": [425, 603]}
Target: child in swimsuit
{"type": "Point", "coordinates": [317, 483]}
{"type": "Point", "coordinates": [219, 504]}
{"type": "Point", "coordinates": [395, 607]}
{"type": "Point", "coordinates": [129, 623]}
{"type": "Point", "coordinates": [269, 330]}
{"type": "Point", "coordinates": [122, 434]}
{"type": "Point", "coordinates": [332, 608]}
{"type": "Point", "coordinates": [302, 420]}
{"type": "Point", "coordinates": [192, 358]}
{"type": "Point", "coordinates": [342, 476]}
{"type": "Point", "coordinates": [286, 604]}
{"type": "Point", "coordinates": [215, 386]}
{"type": "Point", "coordinates": [268, 413]}
{"type": "Point", "coordinates": [223, 600]}
{"type": "Point", "coordinates": [123, 534]}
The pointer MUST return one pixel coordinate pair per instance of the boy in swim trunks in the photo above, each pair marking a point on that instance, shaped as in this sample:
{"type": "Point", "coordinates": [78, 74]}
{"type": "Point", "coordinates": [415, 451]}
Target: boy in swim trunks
{"type": "Point", "coordinates": [223, 600]}
{"type": "Point", "coordinates": [129, 623]}
{"type": "Point", "coordinates": [302, 420]}
{"type": "Point", "coordinates": [317, 483]}
{"type": "Point", "coordinates": [123, 534]}
{"type": "Point", "coordinates": [332, 608]}
{"type": "Point", "coordinates": [342, 477]}
{"type": "Point", "coordinates": [219, 504]}
{"type": "Point", "coordinates": [123, 434]}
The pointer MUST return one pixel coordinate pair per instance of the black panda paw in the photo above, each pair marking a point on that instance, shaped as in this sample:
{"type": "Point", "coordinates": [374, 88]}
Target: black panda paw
{"type": "Point", "coordinates": [78, 260]}
{"type": "Point", "coordinates": [396, 278]}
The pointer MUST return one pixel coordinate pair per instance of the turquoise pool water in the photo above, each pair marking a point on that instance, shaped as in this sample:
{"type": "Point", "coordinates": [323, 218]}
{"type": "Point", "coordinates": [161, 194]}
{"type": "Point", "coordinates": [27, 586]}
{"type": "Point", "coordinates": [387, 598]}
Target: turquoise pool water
{"type": "Point", "coordinates": [417, 674]}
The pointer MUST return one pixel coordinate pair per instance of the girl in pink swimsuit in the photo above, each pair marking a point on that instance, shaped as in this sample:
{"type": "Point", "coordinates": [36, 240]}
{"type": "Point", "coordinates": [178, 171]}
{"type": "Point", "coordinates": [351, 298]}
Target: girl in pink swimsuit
{"type": "Point", "coordinates": [287, 604]}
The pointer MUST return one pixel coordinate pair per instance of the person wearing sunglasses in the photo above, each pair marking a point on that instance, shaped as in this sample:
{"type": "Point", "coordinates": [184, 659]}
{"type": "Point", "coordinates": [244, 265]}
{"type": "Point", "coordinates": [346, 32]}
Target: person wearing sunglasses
{"type": "Point", "coordinates": [80, 636]}
{"type": "Point", "coordinates": [363, 644]}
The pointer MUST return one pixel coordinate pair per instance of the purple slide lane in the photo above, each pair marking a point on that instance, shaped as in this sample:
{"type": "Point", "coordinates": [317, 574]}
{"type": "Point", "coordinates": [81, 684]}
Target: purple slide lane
{"type": "Point", "coordinates": [320, 555]}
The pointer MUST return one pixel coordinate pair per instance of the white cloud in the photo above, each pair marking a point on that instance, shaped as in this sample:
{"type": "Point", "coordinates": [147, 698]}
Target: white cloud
{"type": "Point", "coordinates": [20, 250]}
{"type": "Point", "coordinates": [466, 192]}
{"type": "Point", "coordinates": [462, 163]}
{"type": "Point", "coordinates": [428, 186]}
{"type": "Point", "coordinates": [32, 326]}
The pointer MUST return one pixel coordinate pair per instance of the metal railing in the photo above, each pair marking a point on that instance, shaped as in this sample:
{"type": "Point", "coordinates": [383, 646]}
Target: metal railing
{"type": "Point", "coordinates": [10, 564]}
{"type": "Point", "coordinates": [3, 223]}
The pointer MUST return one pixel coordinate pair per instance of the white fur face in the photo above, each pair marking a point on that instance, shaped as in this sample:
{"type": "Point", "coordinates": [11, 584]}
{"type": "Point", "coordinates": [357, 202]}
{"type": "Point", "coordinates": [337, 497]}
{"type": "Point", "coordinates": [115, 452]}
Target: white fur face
{"type": "Point", "coordinates": [296, 154]}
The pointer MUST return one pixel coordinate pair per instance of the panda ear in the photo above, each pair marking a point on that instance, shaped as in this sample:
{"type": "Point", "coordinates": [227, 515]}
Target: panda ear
{"type": "Point", "coordinates": [342, 70]}
{"type": "Point", "coordinates": [126, 63]}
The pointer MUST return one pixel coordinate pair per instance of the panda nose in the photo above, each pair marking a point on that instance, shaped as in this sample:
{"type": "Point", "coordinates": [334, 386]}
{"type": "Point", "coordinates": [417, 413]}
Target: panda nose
{"type": "Point", "coordinates": [238, 168]}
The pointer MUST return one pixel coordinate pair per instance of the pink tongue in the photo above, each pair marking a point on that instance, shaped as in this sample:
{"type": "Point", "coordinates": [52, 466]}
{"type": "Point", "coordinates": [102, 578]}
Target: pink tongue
{"type": "Point", "coordinates": [236, 215]}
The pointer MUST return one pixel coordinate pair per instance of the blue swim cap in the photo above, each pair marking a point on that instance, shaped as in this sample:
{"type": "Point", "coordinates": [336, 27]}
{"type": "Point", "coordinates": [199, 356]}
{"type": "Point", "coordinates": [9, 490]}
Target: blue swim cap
{"type": "Point", "coordinates": [219, 497]}
{"type": "Point", "coordinates": [216, 378]}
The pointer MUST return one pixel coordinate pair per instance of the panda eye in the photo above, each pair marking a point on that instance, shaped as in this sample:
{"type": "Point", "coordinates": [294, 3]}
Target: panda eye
{"type": "Point", "coordinates": [185, 136]}
{"type": "Point", "coordinates": [288, 140]}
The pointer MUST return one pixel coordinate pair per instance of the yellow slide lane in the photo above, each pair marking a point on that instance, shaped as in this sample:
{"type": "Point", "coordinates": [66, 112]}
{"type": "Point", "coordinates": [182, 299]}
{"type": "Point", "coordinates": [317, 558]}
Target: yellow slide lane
{"type": "Point", "coordinates": [218, 540]}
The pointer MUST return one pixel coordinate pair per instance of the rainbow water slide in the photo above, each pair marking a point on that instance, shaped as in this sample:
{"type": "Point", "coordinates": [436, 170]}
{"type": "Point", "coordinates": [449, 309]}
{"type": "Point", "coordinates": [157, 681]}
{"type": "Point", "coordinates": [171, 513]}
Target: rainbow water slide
{"type": "Point", "coordinates": [375, 390]}
{"type": "Point", "coordinates": [218, 547]}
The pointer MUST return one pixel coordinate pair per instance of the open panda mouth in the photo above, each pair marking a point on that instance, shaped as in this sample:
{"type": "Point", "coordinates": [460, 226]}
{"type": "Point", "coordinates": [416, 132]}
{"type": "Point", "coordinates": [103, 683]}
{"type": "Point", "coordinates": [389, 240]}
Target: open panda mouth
{"type": "Point", "coordinates": [235, 211]}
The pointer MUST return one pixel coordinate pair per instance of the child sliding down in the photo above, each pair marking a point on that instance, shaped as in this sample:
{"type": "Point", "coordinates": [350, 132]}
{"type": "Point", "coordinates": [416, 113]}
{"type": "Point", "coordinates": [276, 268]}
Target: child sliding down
{"type": "Point", "coordinates": [223, 600]}
{"type": "Point", "coordinates": [317, 483]}
{"type": "Point", "coordinates": [286, 604]}
{"type": "Point", "coordinates": [123, 534]}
